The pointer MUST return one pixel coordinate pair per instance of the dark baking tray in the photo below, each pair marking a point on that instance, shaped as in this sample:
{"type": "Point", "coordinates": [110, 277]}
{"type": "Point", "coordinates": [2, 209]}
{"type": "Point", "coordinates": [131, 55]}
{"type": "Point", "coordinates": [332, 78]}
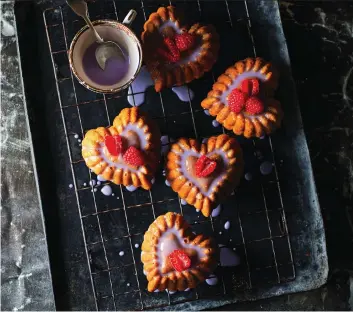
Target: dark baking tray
{"type": "Point", "coordinates": [277, 228]}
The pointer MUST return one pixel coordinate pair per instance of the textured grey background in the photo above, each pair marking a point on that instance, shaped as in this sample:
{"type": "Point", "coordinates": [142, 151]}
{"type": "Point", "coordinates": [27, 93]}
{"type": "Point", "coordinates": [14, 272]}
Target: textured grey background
{"type": "Point", "coordinates": [25, 276]}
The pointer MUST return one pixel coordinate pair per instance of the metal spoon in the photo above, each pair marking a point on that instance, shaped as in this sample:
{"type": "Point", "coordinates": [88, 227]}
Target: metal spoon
{"type": "Point", "coordinates": [105, 49]}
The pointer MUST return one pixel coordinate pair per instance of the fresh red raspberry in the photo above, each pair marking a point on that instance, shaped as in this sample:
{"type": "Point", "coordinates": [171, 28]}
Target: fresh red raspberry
{"type": "Point", "coordinates": [173, 49]}
{"type": "Point", "coordinates": [236, 100]}
{"type": "Point", "coordinates": [171, 53]}
{"type": "Point", "coordinates": [184, 41]}
{"type": "Point", "coordinates": [204, 166]}
{"type": "Point", "coordinates": [114, 144]}
{"type": "Point", "coordinates": [179, 260]}
{"type": "Point", "coordinates": [254, 106]}
{"type": "Point", "coordinates": [250, 86]}
{"type": "Point", "coordinates": [133, 157]}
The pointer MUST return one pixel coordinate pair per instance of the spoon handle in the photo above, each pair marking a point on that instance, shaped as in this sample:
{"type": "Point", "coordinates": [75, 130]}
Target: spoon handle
{"type": "Point", "coordinates": [80, 8]}
{"type": "Point", "coordinates": [89, 23]}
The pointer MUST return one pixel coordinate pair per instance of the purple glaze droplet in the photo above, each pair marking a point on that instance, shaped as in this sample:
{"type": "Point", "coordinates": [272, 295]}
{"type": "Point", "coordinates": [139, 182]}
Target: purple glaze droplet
{"type": "Point", "coordinates": [184, 93]}
{"type": "Point", "coordinates": [136, 93]}
{"type": "Point", "coordinates": [165, 140]}
{"type": "Point", "coordinates": [227, 225]}
{"type": "Point", "coordinates": [106, 190]}
{"type": "Point", "coordinates": [100, 178]}
{"type": "Point", "coordinates": [216, 211]}
{"type": "Point", "coordinates": [228, 257]}
{"type": "Point", "coordinates": [183, 202]}
{"type": "Point", "coordinates": [131, 188]}
{"type": "Point", "coordinates": [248, 176]}
{"type": "Point", "coordinates": [266, 167]}
{"type": "Point", "coordinates": [212, 280]}
{"type": "Point", "coordinates": [215, 123]}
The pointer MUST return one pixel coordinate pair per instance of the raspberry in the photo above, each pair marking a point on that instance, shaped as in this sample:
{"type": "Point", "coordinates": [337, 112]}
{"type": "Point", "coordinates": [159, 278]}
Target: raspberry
{"type": "Point", "coordinates": [179, 260]}
{"type": "Point", "coordinates": [236, 100]}
{"type": "Point", "coordinates": [172, 53]}
{"type": "Point", "coordinates": [133, 157]}
{"type": "Point", "coordinates": [167, 56]}
{"type": "Point", "coordinates": [204, 166]}
{"type": "Point", "coordinates": [114, 144]}
{"type": "Point", "coordinates": [173, 49]}
{"type": "Point", "coordinates": [254, 106]}
{"type": "Point", "coordinates": [250, 86]}
{"type": "Point", "coordinates": [184, 41]}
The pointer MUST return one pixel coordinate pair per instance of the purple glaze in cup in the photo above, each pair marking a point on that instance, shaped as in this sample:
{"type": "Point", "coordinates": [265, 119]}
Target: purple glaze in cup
{"type": "Point", "coordinates": [115, 68]}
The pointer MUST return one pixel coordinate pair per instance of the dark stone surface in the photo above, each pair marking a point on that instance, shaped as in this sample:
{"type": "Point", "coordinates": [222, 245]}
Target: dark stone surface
{"type": "Point", "coordinates": [320, 42]}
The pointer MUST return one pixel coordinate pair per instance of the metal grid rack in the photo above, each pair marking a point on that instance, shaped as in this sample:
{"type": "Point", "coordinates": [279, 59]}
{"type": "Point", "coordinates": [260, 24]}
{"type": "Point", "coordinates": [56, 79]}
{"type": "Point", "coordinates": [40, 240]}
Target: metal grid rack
{"type": "Point", "coordinates": [259, 230]}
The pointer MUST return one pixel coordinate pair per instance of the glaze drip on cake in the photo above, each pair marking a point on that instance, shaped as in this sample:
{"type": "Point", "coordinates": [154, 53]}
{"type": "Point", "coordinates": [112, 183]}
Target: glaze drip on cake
{"type": "Point", "coordinates": [208, 184]}
{"type": "Point", "coordinates": [134, 135]}
{"type": "Point", "coordinates": [204, 174]}
{"type": "Point", "coordinates": [239, 109]}
{"type": "Point", "coordinates": [191, 56]}
{"type": "Point", "coordinates": [126, 153]}
{"type": "Point", "coordinates": [171, 240]}
{"type": "Point", "coordinates": [190, 60]}
{"type": "Point", "coordinates": [237, 81]}
{"type": "Point", "coordinates": [171, 24]}
{"type": "Point", "coordinates": [171, 235]}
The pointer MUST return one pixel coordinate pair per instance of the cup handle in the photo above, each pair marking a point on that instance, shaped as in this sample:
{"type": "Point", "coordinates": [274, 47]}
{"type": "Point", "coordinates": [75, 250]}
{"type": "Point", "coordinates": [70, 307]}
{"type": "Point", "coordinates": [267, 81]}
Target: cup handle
{"type": "Point", "coordinates": [129, 18]}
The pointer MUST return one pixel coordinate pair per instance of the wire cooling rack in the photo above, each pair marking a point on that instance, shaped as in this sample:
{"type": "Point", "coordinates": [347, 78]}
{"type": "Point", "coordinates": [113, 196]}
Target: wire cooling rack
{"type": "Point", "coordinates": [112, 225]}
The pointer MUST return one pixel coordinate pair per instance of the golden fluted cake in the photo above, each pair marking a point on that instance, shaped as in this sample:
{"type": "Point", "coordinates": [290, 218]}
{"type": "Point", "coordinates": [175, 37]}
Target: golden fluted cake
{"type": "Point", "coordinates": [242, 99]}
{"type": "Point", "coordinates": [205, 174]}
{"type": "Point", "coordinates": [126, 153]}
{"type": "Point", "coordinates": [173, 257]}
{"type": "Point", "coordinates": [175, 54]}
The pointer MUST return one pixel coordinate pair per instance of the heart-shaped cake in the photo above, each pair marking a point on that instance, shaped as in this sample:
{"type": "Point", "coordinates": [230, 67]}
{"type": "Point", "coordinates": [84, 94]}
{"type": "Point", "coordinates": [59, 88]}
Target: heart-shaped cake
{"type": "Point", "coordinates": [173, 257]}
{"type": "Point", "coordinates": [242, 99]}
{"type": "Point", "coordinates": [175, 54]}
{"type": "Point", "coordinates": [205, 174]}
{"type": "Point", "coordinates": [126, 153]}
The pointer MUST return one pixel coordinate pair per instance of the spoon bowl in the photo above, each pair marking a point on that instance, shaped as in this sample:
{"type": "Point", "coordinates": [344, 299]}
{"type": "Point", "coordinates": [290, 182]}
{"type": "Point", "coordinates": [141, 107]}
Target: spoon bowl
{"type": "Point", "coordinates": [107, 50]}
